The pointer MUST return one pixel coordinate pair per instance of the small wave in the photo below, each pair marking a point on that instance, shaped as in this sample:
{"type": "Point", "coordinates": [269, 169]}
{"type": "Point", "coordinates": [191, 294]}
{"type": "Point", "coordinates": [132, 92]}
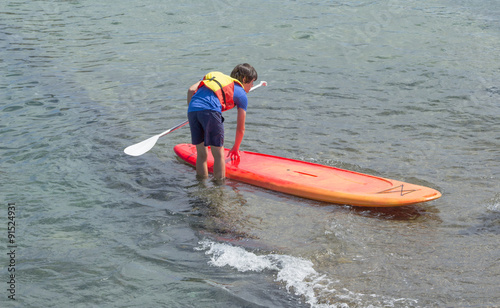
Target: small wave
{"type": "Point", "coordinates": [494, 205]}
{"type": "Point", "coordinates": [297, 274]}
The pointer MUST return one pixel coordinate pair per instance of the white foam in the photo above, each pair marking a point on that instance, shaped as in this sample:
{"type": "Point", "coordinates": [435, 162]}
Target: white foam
{"type": "Point", "coordinates": [494, 207]}
{"type": "Point", "coordinates": [297, 274]}
{"type": "Point", "coordinates": [239, 258]}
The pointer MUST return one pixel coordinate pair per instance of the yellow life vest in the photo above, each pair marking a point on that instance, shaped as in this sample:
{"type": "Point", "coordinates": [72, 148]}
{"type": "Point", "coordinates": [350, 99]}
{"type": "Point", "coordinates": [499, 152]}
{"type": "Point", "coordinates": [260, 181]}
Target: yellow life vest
{"type": "Point", "coordinates": [223, 87]}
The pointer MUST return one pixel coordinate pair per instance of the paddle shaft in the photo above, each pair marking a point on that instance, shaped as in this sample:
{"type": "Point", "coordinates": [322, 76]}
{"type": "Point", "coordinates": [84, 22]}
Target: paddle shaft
{"type": "Point", "coordinates": [173, 128]}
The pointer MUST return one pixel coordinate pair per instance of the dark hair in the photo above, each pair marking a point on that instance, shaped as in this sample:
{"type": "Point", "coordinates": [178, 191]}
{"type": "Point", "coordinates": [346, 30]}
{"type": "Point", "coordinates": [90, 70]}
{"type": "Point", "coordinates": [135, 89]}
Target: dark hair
{"type": "Point", "coordinates": [245, 73]}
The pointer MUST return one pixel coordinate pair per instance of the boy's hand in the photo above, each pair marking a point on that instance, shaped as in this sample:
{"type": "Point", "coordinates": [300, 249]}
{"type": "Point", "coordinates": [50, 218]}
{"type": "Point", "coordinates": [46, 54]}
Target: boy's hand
{"type": "Point", "coordinates": [234, 154]}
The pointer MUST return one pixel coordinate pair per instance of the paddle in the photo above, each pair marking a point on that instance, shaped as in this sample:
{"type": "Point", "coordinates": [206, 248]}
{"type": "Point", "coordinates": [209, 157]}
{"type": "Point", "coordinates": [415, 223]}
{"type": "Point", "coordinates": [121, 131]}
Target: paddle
{"type": "Point", "coordinates": [146, 145]}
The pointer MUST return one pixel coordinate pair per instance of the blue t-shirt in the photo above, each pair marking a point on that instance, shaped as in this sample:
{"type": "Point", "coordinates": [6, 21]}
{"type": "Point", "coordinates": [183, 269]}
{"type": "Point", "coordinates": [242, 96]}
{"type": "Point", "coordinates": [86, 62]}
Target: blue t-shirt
{"type": "Point", "coordinates": [205, 99]}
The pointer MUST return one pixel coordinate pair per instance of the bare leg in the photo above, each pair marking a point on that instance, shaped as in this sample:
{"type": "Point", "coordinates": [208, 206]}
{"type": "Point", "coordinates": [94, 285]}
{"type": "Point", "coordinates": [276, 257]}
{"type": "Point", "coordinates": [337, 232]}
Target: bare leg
{"type": "Point", "coordinates": [201, 161]}
{"type": "Point", "coordinates": [219, 163]}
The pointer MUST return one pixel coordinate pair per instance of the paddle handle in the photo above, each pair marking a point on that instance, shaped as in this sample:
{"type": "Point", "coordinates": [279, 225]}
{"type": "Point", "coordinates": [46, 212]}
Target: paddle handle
{"type": "Point", "coordinates": [262, 83]}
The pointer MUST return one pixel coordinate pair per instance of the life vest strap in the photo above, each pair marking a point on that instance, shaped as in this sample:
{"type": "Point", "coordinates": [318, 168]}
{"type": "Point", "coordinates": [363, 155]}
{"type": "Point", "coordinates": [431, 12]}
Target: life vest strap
{"type": "Point", "coordinates": [222, 90]}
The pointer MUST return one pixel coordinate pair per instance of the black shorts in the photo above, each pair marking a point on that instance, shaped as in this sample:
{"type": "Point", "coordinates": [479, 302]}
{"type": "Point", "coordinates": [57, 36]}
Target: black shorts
{"type": "Point", "coordinates": [206, 126]}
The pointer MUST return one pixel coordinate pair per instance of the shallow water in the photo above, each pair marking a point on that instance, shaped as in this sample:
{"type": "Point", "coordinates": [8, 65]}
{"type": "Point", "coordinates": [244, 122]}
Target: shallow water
{"type": "Point", "coordinates": [401, 89]}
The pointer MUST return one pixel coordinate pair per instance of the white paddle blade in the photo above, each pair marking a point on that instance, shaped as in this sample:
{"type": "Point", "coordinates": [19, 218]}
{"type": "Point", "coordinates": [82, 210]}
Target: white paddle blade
{"type": "Point", "coordinates": [141, 147]}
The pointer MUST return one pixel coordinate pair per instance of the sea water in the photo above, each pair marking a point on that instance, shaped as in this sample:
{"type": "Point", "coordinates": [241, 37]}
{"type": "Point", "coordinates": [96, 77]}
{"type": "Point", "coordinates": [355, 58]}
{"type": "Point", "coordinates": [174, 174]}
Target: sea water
{"type": "Point", "coordinates": [401, 89]}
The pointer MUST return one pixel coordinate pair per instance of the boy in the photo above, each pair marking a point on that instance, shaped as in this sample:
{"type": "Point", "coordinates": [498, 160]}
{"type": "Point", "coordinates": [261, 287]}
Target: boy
{"type": "Point", "coordinates": [207, 99]}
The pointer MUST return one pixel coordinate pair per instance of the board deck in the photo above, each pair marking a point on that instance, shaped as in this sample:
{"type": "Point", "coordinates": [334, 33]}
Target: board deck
{"type": "Point", "coordinates": [314, 181]}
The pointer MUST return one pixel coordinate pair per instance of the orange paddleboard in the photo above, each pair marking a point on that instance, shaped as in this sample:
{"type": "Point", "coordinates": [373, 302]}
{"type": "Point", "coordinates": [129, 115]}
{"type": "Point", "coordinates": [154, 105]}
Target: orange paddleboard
{"type": "Point", "coordinates": [314, 181]}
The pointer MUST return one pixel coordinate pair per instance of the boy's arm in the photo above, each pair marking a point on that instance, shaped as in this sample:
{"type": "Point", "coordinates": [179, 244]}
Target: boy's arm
{"type": "Point", "coordinates": [191, 91]}
{"type": "Point", "coordinates": [240, 132]}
